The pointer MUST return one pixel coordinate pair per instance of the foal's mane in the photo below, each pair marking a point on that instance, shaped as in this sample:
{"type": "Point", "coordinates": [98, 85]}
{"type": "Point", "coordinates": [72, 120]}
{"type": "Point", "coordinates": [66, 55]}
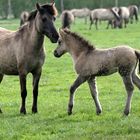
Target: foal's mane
{"type": "Point", "coordinates": [84, 43]}
{"type": "Point", "coordinates": [47, 7]}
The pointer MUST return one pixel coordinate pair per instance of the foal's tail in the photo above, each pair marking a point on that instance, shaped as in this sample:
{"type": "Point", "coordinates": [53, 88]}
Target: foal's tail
{"type": "Point", "coordinates": [138, 56]}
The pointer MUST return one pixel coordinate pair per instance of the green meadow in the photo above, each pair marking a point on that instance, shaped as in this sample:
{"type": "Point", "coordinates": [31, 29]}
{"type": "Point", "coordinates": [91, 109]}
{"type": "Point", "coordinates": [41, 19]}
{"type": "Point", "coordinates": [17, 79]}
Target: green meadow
{"type": "Point", "coordinates": [52, 122]}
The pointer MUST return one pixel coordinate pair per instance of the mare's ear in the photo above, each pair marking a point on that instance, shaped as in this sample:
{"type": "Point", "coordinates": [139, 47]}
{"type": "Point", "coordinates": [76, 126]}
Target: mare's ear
{"type": "Point", "coordinates": [39, 8]}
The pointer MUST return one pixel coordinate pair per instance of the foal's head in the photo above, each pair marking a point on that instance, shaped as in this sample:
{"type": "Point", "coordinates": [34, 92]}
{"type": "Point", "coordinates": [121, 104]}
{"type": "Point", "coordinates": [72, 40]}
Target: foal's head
{"type": "Point", "coordinates": [62, 44]}
{"type": "Point", "coordinates": [44, 18]}
{"type": "Point", "coordinates": [71, 42]}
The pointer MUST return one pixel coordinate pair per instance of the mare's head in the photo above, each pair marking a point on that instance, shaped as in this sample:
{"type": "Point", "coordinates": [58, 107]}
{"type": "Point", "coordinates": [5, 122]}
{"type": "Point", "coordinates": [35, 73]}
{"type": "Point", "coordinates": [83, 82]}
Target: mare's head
{"type": "Point", "coordinates": [44, 17]}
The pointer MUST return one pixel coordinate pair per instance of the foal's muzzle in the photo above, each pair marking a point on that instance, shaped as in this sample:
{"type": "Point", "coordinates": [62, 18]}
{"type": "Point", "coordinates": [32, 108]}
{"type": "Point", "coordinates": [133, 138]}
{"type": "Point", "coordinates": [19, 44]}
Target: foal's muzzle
{"type": "Point", "coordinates": [56, 54]}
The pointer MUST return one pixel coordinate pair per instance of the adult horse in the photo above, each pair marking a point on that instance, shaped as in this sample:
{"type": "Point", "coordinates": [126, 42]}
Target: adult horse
{"type": "Point", "coordinates": [124, 15]}
{"type": "Point", "coordinates": [24, 17]}
{"type": "Point", "coordinates": [67, 19]}
{"type": "Point", "coordinates": [133, 9]}
{"type": "Point", "coordinates": [103, 14]}
{"type": "Point", "coordinates": [22, 52]}
{"type": "Point", "coordinates": [81, 13]}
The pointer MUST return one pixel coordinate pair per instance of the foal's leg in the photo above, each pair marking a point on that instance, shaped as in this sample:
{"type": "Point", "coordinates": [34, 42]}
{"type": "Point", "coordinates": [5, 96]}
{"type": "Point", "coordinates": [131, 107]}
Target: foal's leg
{"type": "Point", "coordinates": [22, 77]}
{"type": "Point", "coordinates": [36, 78]}
{"type": "Point", "coordinates": [75, 85]}
{"type": "Point", "coordinates": [1, 77]}
{"type": "Point", "coordinates": [129, 88]}
{"type": "Point", "coordinates": [136, 79]}
{"type": "Point", "coordinates": [94, 93]}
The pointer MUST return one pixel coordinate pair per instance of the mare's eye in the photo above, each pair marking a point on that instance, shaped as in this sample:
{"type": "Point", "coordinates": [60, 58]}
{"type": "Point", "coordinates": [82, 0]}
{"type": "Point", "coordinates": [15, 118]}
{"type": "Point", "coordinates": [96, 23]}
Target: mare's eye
{"type": "Point", "coordinates": [44, 19]}
{"type": "Point", "coordinates": [54, 18]}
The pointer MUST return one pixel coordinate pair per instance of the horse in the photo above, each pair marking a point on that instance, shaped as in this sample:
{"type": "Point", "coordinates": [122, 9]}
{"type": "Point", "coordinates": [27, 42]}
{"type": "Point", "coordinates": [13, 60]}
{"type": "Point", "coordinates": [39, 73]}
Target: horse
{"type": "Point", "coordinates": [90, 62]}
{"type": "Point", "coordinates": [24, 17]}
{"type": "Point", "coordinates": [81, 13]}
{"type": "Point", "coordinates": [67, 19]}
{"type": "Point", "coordinates": [103, 14]}
{"type": "Point", "coordinates": [22, 51]}
{"type": "Point", "coordinates": [124, 16]}
{"type": "Point", "coordinates": [133, 9]}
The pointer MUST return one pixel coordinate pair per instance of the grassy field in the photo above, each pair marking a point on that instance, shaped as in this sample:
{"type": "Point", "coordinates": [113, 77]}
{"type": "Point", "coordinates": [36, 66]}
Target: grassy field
{"type": "Point", "coordinates": [52, 121]}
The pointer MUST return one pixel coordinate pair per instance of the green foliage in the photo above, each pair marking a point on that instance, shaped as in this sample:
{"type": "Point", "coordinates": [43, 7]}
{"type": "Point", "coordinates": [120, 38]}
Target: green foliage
{"type": "Point", "coordinates": [52, 121]}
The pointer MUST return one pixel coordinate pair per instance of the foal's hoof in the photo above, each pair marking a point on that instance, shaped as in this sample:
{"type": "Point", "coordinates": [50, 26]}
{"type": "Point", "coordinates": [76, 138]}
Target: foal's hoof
{"type": "Point", "coordinates": [69, 113]}
{"type": "Point", "coordinates": [34, 110]}
{"type": "Point", "coordinates": [126, 112]}
{"type": "Point", "coordinates": [22, 111]}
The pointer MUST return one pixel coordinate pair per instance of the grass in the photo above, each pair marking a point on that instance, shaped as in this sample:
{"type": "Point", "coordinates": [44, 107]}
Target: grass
{"type": "Point", "coordinates": [52, 121]}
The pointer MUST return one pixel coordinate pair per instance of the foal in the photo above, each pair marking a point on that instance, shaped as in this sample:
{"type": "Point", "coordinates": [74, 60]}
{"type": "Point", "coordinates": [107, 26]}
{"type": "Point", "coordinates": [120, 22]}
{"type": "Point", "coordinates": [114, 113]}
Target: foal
{"type": "Point", "coordinates": [22, 51]}
{"type": "Point", "coordinates": [90, 62]}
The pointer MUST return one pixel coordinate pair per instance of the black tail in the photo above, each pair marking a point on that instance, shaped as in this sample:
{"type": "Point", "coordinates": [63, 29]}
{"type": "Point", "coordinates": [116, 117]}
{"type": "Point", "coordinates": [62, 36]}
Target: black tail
{"type": "Point", "coordinates": [66, 21]}
{"type": "Point", "coordinates": [136, 13]}
{"type": "Point", "coordinates": [117, 16]}
{"type": "Point", "coordinates": [138, 56]}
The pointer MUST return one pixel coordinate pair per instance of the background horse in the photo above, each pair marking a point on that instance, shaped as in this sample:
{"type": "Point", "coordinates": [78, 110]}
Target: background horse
{"type": "Point", "coordinates": [22, 52]}
{"type": "Point", "coordinates": [90, 62]}
{"type": "Point", "coordinates": [24, 17]}
{"type": "Point", "coordinates": [102, 14]}
{"type": "Point", "coordinates": [67, 19]}
{"type": "Point", "coordinates": [124, 15]}
{"type": "Point", "coordinates": [133, 9]}
{"type": "Point", "coordinates": [81, 13]}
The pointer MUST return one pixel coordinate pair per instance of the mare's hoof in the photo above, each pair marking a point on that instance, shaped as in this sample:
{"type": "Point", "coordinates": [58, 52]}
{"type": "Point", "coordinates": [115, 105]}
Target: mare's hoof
{"type": "Point", "coordinates": [34, 110]}
{"type": "Point", "coordinates": [98, 112]}
{"type": "Point", "coordinates": [22, 111]}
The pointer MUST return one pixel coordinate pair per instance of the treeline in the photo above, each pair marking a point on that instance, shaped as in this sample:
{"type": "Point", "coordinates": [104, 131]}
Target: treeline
{"type": "Point", "coordinates": [15, 7]}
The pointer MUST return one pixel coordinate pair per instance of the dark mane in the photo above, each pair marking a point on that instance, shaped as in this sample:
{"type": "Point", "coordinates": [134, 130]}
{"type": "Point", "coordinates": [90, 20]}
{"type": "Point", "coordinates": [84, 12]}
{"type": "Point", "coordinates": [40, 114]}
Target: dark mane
{"type": "Point", "coordinates": [47, 8]}
{"type": "Point", "coordinates": [84, 43]}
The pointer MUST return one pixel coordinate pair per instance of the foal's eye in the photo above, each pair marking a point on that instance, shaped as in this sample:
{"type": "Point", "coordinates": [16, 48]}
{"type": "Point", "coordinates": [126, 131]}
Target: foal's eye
{"type": "Point", "coordinates": [44, 19]}
{"type": "Point", "coordinates": [59, 42]}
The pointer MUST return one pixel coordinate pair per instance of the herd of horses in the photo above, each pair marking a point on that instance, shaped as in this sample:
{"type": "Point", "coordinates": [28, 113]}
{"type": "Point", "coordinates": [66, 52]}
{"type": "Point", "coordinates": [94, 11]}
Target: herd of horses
{"type": "Point", "coordinates": [116, 16]}
{"type": "Point", "coordinates": [20, 58]}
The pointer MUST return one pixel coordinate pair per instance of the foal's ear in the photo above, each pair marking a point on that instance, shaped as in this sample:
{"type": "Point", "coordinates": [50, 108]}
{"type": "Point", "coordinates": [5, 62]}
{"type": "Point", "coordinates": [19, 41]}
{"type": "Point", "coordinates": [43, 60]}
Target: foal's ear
{"type": "Point", "coordinates": [62, 33]}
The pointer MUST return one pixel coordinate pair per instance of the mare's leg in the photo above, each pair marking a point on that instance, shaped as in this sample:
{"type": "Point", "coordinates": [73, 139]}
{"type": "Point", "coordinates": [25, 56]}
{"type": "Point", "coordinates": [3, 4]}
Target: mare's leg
{"type": "Point", "coordinates": [22, 77]}
{"type": "Point", "coordinates": [36, 78]}
{"type": "Point", "coordinates": [136, 79]}
{"type": "Point", "coordinates": [75, 85]}
{"type": "Point", "coordinates": [94, 93]}
{"type": "Point", "coordinates": [1, 77]}
{"type": "Point", "coordinates": [129, 88]}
